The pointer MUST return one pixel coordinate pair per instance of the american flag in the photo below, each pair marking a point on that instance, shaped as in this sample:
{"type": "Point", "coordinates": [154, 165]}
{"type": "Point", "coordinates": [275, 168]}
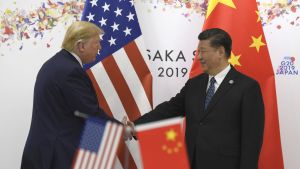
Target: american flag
{"type": "Point", "coordinates": [98, 144]}
{"type": "Point", "coordinates": [120, 74]}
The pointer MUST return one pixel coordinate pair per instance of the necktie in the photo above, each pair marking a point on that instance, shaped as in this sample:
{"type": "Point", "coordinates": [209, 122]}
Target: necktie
{"type": "Point", "coordinates": [210, 92]}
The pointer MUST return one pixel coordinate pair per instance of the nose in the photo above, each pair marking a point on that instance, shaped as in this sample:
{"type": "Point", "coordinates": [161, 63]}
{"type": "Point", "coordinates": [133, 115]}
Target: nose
{"type": "Point", "coordinates": [199, 55]}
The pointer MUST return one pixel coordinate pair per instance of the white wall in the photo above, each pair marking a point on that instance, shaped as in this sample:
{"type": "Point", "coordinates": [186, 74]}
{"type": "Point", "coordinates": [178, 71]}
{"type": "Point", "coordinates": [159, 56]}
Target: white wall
{"type": "Point", "coordinates": [18, 70]}
{"type": "Point", "coordinates": [285, 42]}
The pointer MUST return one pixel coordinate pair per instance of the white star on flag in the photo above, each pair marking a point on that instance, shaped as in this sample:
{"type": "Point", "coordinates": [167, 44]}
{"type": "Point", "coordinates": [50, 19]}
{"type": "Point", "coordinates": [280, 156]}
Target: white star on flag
{"type": "Point", "coordinates": [101, 36]}
{"type": "Point", "coordinates": [127, 31]}
{"type": "Point", "coordinates": [90, 17]}
{"type": "Point", "coordinates": [118, 12]}
{"type": "Point", "coordinates": [103, 21]}
{"type": "Point", "coordinates": [112, 41]}
{"type": "Point", "coordinates": [130, 16]}
{"type": "Point", "coordinates": [131, 1]}
{"type": "Point", "coordinates": [94, 2]}
{"type": "Point", "coordinates": [105, 7]}
{"type": "Point", "coordinates": [115, 26]}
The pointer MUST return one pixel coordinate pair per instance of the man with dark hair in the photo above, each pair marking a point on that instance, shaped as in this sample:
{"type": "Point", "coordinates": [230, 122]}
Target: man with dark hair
{"type": "Point", "coordinates": [224, 110]}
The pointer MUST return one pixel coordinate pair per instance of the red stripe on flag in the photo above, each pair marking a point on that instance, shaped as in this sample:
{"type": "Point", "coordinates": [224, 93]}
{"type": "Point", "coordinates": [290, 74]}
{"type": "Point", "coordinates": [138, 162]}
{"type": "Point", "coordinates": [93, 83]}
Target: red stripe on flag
{"type": "Point", "coordinates": [122, 149]}
{"type": "Point", "coordinates": [94, 162]}
{"type": "Point", "coordinates": [104, 142]}
{"type": "Point", "coordinates": [121, 87]}
{"type": "Point", "coordinates": [100, 96]}
{"type": "Point", "coordinates": [82, 159]}
{"type": "Point", "coordinates": [140, 68]}
{"type": "Point", "coordinates": [105, 107]}
{"type": "Point", "coordinates": [88, 159]}
{"type": "Point", "coordinates": [111, 146]}
{"type": "Point", "coordinates": [75, 159]}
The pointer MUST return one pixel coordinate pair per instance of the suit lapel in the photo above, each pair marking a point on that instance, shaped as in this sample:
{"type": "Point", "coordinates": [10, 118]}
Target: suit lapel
{"type": "Point", "coordinates": [200, 86]}
{"type": "Point", "coordinates": [225, 86]}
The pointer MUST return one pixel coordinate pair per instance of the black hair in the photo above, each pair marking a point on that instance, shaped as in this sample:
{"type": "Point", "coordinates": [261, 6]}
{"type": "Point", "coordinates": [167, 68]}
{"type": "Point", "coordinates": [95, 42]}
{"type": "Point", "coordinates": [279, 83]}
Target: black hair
{"type": "Point", "coordinates": [217, 38]}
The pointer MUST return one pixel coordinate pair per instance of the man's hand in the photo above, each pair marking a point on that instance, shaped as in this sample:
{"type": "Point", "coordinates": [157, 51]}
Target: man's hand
{"type": "Point", "coordinates": [129, 131]}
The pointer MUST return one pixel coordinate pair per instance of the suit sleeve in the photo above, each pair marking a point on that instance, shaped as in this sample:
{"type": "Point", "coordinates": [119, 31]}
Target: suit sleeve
{"type": "Point", "coordinates": [252, 124]}
{"type": "Point", "coordinates": [80, 96]}
{"type": "Point", "coordinates": [172, 108]}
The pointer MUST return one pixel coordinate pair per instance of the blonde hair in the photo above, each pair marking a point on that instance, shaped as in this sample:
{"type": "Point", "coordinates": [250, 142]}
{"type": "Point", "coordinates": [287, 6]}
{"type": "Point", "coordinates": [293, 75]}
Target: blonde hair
{"type": "Point", "coordinates": [79, 31]}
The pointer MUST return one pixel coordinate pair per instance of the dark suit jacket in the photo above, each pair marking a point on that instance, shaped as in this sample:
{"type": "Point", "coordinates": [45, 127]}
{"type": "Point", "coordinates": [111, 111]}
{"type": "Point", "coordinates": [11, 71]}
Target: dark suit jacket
{"type": "Point", "coordinates": [229, 134]}
{"type": "Point", "coordinates": [61, 87]}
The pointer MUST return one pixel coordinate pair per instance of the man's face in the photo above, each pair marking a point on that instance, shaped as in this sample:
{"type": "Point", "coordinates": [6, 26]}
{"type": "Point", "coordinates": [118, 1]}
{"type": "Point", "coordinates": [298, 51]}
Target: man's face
{"type": "Point", "coordinates": [91, 48]}
{"type": "Point", "coordinates": [210, 58]}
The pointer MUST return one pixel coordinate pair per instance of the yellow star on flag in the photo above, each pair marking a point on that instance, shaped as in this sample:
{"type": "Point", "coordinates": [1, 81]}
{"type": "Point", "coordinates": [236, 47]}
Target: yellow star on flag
{"type": "Point", "coordinates": [171, 135]}
{"type": "Point", "coordinates": [213, 3]}
{"type": "Point", "coordinates": [234, 59]}
{"type": "Point", "coordinates": [258, 16]}
{"type": "Point", "coordinates": [257, 43]}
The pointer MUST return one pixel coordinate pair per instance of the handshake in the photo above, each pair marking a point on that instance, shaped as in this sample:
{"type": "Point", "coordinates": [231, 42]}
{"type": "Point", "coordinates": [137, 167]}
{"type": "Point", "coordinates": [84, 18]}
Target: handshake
{"type": "Point", "coordinates": [129, 131]}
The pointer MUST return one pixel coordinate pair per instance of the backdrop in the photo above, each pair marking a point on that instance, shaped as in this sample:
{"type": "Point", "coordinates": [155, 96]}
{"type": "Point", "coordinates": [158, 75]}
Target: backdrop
{"type": "Point", "coordinates": [32, 32]}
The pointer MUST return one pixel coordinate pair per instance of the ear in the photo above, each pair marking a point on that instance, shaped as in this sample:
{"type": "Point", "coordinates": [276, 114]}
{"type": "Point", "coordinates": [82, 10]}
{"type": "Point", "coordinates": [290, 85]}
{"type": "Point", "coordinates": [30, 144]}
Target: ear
{"type": "Point", "coordinates": [221, 51]}
{"type": "Point", "coordinates": [80, 46]}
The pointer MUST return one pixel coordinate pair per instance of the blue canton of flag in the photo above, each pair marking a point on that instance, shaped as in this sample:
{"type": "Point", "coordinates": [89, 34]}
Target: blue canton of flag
{"type": "Point", "coordinates": [92, 135]}
{"type": "Point", "coordinates": [118, 20]}
{"type": "Point", "coordinates": [98, 144]}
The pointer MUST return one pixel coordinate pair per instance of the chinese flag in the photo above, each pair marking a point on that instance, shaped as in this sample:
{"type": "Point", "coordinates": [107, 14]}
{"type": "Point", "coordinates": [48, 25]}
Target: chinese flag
{"type": "Point", "coordinates": [162, 145]}
{"type": "Point", "coordinates": [240, 18]}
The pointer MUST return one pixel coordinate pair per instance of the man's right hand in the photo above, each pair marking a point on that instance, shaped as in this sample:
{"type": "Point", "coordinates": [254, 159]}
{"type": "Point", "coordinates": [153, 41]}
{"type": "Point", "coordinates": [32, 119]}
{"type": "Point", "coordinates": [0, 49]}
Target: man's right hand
{"type": "Point", "coordinates": [129, 131]}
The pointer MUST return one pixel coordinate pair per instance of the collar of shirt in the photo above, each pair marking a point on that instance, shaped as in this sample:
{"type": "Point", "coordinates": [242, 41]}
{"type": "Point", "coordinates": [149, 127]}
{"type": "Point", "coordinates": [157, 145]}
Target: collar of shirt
{"type": "Point", "coordinates": [77, 58]}
{"type": "Point", "coordinates": [219, 77]}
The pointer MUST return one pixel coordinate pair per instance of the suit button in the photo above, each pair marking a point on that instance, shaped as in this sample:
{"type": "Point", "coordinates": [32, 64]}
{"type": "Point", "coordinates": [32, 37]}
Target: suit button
{"type": "Point", "coordinates": [201, 123]}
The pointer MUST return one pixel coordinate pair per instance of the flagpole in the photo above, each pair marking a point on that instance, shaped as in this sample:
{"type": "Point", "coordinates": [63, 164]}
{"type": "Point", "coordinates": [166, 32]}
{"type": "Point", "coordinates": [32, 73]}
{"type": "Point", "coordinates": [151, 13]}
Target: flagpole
{"type": "Point", "coordinates": [79, 114]}
{"type": "Point", "coordinates": [126, 158]}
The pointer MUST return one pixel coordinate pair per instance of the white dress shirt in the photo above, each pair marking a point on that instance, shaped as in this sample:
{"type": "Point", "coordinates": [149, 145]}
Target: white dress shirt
{"type": "Point", "coordinates": [219, 77]}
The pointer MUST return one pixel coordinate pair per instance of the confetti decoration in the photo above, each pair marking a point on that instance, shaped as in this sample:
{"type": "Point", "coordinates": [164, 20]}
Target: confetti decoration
{"type": "Point", "coordinates": [19, 24]}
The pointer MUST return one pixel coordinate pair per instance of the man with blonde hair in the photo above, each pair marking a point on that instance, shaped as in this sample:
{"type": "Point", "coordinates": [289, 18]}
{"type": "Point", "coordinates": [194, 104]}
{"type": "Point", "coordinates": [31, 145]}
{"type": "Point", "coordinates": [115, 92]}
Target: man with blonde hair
{"type": "Point", "coordinates": [63, 87]}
